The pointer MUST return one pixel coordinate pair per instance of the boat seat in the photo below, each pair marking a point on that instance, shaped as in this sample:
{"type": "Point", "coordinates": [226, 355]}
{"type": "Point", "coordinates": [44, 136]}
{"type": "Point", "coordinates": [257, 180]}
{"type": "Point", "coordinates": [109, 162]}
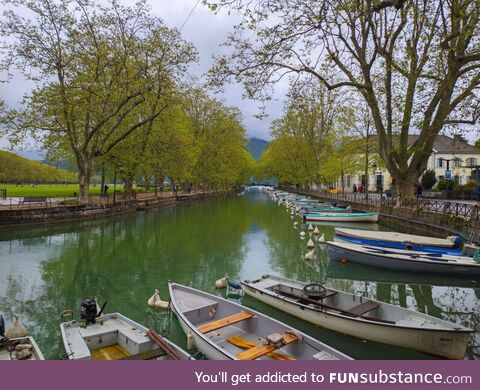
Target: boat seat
{"type": "Point", "coordinates": [226, 321]}
{"type": "Point", "coordinates": [363, 308]}
{"type": "Point", "coordinates": [264, 349]}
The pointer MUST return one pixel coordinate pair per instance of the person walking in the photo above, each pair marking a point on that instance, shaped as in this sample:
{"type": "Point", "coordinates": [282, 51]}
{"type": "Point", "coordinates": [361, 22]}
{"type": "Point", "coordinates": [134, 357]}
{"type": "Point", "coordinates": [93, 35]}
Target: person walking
{"type": "Point", "coordinates": [419, 191]}
{"type": "Point", "coordinates": [355, 189]}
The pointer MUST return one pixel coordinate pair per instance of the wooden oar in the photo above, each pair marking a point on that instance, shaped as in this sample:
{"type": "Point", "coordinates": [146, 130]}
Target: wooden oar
{"type": "Point", "coordinates": [157, 339]}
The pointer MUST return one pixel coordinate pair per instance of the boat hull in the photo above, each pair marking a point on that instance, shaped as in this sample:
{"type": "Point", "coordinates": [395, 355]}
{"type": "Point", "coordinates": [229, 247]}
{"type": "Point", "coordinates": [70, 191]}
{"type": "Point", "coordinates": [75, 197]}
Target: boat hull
{"type": "Point", "coordinates": [342, 217]}
{"type": "Point", "coordinates": [448, 344]}
{"type": "Point", "coordinates": [338, 253]}
{"type": "Point", "coordinates": [399, 245]}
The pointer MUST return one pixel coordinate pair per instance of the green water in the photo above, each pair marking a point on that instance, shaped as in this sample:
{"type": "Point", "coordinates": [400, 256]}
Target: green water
{"type": "Point", "coordinates": [45, 270]}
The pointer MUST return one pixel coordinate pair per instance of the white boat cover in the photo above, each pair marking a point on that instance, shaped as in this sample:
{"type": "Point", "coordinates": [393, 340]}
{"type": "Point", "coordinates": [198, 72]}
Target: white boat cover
{"type": "Point", "coordinates": [396, 237]}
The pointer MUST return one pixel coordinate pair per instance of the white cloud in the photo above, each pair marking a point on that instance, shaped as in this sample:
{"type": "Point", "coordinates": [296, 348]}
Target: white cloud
{"type": "Point", "coordinates": [207, 31]}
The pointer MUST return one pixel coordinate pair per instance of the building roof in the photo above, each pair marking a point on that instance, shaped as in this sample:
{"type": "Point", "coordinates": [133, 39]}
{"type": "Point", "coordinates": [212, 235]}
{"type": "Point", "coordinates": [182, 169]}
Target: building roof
{"type": "Point", "coordinates": [445, 144]}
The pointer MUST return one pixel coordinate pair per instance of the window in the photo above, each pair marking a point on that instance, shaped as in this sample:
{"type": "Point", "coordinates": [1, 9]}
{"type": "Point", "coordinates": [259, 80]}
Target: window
{"type": "Point", "coordinates": [458, 179]}
{"type": "Point", "coordinates": [457, 162]}
{"type": "Point", "coordinates": [471, 162]}
{"type": "Point", "coordinates": [440, 162]}
{"type": "Point", "coordinates": [349, 181]}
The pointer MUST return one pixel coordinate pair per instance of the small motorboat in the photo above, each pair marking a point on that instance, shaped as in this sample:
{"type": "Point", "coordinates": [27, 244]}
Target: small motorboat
{"type": "Point", "coordinates": [224, 330]}
{"type": "Point", "coordinates": [114, 337]}
{"type": "Point", "coordinates": [404, 260]}
{"type": "Point", "coordinates": [361, 317]}
{"type": "Point", "coordinates": [342, 217]}
{"type": "Point", "coordinates": [18, 348]}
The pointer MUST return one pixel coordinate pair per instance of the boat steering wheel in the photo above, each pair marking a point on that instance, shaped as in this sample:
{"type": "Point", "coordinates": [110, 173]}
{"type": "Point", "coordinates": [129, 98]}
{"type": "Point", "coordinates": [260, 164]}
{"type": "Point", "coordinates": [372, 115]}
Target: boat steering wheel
{"type": "Point", "coordinates": [314, 290]}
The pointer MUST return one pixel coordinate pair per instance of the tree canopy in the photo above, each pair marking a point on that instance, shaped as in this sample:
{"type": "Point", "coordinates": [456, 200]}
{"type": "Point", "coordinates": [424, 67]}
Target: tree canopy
{"type": "Point", "coordinates": [415, 63]}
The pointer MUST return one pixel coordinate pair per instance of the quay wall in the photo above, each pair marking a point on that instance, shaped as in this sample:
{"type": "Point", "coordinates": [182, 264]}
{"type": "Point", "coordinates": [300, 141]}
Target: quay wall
{"type": "Point", "coordinates": [36, 215]}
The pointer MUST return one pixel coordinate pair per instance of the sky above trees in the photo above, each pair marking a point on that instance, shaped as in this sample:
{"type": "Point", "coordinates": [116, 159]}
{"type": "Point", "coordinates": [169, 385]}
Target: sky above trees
{"type": "Point", "coordinates": [207, 31]}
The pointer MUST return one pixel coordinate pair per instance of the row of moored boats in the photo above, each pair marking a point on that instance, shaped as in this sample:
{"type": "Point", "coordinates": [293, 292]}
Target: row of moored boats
{"type": "Point", "coordinates": [390, 250]}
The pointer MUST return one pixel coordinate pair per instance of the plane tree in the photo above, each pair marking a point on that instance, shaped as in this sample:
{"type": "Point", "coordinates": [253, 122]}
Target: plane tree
{"type": "Point", "coordinates": [415, 63]}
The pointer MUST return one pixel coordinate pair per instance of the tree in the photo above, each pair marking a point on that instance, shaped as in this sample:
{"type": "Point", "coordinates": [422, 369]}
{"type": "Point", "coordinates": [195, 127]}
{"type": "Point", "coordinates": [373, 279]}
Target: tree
{"type": "Point", "coordinates": [428, 179]}
{"type": "Point", "coordinates": [101, 71]}
{"type": "Point", "coordinates": [414, 63]}
{"type": "Point", "coordinates": [290, 159]}
{"type": "Point", "coordinates": [477, 144]}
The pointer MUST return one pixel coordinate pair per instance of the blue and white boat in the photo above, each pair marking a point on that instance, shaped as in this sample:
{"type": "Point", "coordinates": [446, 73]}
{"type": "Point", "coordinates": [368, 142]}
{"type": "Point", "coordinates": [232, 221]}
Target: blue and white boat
{"type": "Point", "coordinates": [448, 246]}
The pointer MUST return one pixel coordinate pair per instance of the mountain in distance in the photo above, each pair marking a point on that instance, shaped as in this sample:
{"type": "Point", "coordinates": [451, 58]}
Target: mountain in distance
{"type": "Point", "coordinates": [256, 146]}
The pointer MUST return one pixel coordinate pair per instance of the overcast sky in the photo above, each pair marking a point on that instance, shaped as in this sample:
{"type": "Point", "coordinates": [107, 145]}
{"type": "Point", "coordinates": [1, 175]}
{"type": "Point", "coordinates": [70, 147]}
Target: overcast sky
{"type": "Point", "coordinates": [206, 31]}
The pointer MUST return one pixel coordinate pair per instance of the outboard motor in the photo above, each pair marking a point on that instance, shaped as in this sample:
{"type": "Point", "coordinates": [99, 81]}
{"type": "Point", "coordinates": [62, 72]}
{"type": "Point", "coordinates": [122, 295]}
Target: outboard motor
{"type": "Point", "coordinates": [88, 311]}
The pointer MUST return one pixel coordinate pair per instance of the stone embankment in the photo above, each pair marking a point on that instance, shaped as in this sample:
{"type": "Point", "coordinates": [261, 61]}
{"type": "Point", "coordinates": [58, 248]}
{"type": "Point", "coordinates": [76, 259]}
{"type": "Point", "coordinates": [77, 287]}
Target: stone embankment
{"type": "Point", "coordinates": [55, 212]}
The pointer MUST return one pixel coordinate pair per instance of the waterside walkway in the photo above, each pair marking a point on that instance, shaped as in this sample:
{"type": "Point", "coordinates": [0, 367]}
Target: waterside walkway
{"type": "Point", "coordinates": [15, 211]}
{"type": "Point", "coordinates": [432, 216]}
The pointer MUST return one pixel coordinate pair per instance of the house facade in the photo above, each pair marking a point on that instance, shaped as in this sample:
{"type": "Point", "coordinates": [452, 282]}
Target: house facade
{"type": "Point", "coordinates": [450, 157]}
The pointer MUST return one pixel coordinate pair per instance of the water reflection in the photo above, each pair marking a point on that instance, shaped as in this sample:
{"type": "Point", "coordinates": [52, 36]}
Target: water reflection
{"type": "Point", "coordinates": [44, 270]}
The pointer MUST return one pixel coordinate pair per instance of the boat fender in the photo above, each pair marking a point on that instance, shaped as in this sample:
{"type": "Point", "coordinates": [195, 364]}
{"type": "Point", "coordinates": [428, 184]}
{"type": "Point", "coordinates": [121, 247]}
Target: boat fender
{"type": "Point", "coordinates": [155, 297]}
{"type": "Point", "coordinates": [156, 301]}
{"type": "Point", "coordinates": [17, 330]}
{"type": "Point", "coordinates": [310, 244]}
{"type": "Point", "coordinates": [24, 354]}
{"type": "Point", "coordinates": [221, 283]}
{"type": "Point", "coordinates": [190, 340]}
{"type": "Point", "coordinates": [21, 347]}
{"type": "Point", "coordinates": [343, 261]}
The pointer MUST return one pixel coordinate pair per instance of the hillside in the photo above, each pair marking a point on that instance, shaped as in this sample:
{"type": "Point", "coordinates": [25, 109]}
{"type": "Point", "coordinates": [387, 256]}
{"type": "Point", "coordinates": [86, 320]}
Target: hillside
{"type": "Point", "coordinates": [17, 169]}
{"type": "Point", "coordinates": [256, 146]}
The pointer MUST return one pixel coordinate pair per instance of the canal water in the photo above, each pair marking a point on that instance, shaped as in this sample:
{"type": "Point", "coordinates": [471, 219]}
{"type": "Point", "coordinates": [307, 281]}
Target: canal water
{"type": "Point", "coordinates": [47, 269]}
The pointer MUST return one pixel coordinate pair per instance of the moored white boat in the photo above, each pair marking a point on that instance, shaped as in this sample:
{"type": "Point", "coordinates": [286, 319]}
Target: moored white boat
{"type": "Point", "coordinates": [342, 217]}
{"type": "Point", "coordinates": [224, 330]}
{"type": "Point", "coordinates": [449, 242]}
{"type": "Point", "coordinates": [116, 337]}
{"type": "Point", "coordinates": [404, 260]}
{"type": "Point", "coordinates": [360, 317]}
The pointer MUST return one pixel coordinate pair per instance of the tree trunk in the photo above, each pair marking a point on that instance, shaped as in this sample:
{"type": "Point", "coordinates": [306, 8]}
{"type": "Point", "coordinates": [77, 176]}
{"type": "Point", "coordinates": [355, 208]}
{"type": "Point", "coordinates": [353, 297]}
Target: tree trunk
{"type": "Point", "coordinates": [128, 187]}
{"type": "Point", "coordinates": [84, 176]}
{"type": "Point", "coordinates": [102, 185]}
{"type": "Point", "coordinates": [406, 187]}
{"type": "Point", "coordinates": [147, 183]}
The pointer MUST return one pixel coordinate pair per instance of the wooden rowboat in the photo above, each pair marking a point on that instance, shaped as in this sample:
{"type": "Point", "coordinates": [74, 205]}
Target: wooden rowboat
{"type": "Point", "coordinates": [360, 317]}
{"type": "Point", "coordinates": [404, 260]}
{"type": "Point", "coordinates": [342, 217]}
{"type": "Point", "coordinates": [116, 337]}
{"type": "Point", "coordinates": [224, 330]}
{"type": "Point", "coordinates": [449, 242]}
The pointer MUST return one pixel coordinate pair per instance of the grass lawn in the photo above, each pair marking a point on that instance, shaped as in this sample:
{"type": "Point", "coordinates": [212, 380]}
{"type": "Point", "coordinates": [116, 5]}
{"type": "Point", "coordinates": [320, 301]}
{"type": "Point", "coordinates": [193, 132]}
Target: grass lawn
{"type": "Point", "coordinates": [52, 190]}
